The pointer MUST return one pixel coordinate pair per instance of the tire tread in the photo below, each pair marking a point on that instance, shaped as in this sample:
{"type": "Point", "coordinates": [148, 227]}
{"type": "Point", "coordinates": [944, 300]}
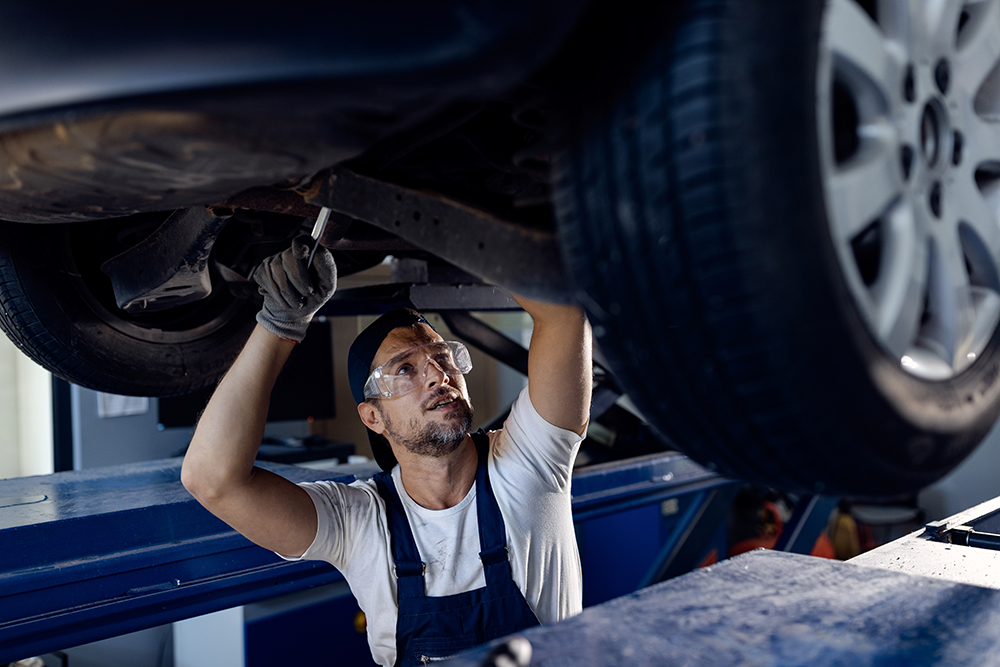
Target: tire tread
{"type": "Point", "coordinates": [671, 215]}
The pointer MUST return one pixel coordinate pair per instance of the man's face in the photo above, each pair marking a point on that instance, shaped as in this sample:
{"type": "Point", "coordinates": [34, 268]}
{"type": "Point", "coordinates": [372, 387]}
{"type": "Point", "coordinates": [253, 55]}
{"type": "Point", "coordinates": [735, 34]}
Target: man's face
{"type": "Point", "coordinates": [433, 419]}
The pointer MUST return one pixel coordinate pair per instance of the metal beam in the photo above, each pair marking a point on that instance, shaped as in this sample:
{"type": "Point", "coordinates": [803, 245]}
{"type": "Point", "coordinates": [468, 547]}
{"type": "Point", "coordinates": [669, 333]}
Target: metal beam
{"type": "Point", "coordinates": [687, 544]}
{"type": "Point", "coordinates": [488, 339]}
{"type": "Point", "coordinates": [808, 521]}
{"type": "Point", "coordinates": [512, 255]}
{"type": "Point", "coordinates": [378, 299]}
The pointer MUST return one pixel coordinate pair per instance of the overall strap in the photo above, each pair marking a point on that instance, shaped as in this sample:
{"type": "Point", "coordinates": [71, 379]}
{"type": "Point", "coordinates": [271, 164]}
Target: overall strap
{"type": "Point", "coordinates": [407, 566]}
{"type": "Point", "coordinates": [492, 534]}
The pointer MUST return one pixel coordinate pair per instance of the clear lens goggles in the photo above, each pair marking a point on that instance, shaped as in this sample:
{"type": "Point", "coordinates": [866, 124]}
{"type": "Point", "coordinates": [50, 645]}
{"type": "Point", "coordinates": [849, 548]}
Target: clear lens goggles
{"type": "Point", "coordinates": [407, 370]}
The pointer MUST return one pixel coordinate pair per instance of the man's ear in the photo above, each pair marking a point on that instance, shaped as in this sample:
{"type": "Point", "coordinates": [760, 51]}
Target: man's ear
{"type": "Point", "coordinates": [370, 416]}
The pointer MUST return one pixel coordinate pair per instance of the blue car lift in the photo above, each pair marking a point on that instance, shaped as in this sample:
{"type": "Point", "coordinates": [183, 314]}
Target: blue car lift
{"type": "Point", "coordinates": [94, 554]}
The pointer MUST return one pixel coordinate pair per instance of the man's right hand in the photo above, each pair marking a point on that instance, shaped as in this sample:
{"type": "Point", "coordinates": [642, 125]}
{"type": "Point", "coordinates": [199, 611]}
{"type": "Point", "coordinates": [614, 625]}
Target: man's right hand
{"type": "Point", "coordinates": [293, 291]}
{"type": "Point", "coordinates": [219, 466]}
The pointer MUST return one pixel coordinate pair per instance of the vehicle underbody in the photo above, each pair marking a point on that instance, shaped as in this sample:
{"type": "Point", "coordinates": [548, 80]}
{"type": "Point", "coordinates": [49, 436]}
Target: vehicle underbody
{"type": "Point", "coordinates": [780, 218]}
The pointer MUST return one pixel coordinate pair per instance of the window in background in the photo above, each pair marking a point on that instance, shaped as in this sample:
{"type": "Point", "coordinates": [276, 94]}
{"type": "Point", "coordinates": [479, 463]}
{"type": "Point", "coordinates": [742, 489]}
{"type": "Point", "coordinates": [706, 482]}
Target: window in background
{"type": "Point", "coordinates": [25, 414]}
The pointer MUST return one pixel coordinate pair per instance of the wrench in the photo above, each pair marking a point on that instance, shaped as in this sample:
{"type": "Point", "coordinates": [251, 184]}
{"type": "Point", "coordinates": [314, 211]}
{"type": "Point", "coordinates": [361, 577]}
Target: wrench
{"type": "Point", "coordinates": [317, 232]}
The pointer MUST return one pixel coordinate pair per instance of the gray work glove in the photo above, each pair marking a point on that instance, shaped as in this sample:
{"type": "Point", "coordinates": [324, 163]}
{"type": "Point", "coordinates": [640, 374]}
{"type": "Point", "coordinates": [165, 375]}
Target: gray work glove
{"type": "Point", "coordinates": [292, 293]}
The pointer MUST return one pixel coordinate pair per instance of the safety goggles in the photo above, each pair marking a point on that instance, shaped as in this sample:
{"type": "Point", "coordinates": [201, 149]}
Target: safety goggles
{"type": "Point", "coordinates": [406, 371]}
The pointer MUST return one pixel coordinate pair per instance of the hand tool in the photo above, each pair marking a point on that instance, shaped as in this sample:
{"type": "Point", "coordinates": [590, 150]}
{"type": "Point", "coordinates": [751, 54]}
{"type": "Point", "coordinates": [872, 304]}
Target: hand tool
{"type": "Point", "coordinates": [317, 232]}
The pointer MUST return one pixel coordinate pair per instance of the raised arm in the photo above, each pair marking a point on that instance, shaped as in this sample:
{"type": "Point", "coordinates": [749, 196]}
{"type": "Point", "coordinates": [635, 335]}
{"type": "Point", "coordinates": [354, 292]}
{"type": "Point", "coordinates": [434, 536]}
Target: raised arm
{"type": "Point", "coordinates": [219, 466]}
{"type": "Point", "coordinates": [560, 364]}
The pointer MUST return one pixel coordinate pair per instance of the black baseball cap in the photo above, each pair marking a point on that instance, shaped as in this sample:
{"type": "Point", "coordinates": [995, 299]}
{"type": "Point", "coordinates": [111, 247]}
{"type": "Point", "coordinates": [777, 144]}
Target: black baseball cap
{"type": "Point", "coordinates": [359, 363]}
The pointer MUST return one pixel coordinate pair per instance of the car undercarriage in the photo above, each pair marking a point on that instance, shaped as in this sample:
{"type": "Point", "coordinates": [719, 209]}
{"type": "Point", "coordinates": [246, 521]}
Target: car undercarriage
{"type": "Point", "coordinates": [780, 219]}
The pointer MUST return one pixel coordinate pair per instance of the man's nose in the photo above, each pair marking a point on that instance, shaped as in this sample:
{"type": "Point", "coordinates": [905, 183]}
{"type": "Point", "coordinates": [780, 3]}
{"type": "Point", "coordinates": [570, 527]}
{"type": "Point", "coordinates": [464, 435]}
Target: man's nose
{"type": "Point", "coordinates": [434, 374]}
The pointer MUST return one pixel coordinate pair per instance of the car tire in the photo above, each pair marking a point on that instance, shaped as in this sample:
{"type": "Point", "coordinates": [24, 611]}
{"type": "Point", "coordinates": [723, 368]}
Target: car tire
{"type": "Point", "coordinates": [59, 310]}
{"type": "Point", "coordinates": [695, 211]}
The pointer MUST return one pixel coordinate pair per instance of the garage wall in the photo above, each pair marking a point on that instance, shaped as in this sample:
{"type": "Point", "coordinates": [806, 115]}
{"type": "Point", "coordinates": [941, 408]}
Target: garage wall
{"type": "Point", "coordinates": [128, 435]}
{"type": "Point", "coordinates": [10, 458]}
{"type": "Point", "coordinates": [25, 414]}
{"type": "Point", "coordinates": [976, 480]}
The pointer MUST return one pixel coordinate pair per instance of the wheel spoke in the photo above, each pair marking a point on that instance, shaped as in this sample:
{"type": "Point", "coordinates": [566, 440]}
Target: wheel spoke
{"type": "Point", "coordinates": [857, 44]}
{"type": "Point", "coordinates": [972, 208]}
{"type": "Point", "coordinates": [978, 53]}
{"type": "Point", "coordinates": [941, 20]}
{"type": "Point", "coordinates": [979, 231]}
{"type": "Point", "coordinates": [983, 140]}
{"type": "Point", "coordinates": [896, 19]}
{"type": "Point", "coordinates": [951, 310]}
{"type": "Point", "coordinates": [987, 305]}
{"type": "Point", "coordinates": [862, 190]}
{"type": "Point", "coordinates": [898, 294]}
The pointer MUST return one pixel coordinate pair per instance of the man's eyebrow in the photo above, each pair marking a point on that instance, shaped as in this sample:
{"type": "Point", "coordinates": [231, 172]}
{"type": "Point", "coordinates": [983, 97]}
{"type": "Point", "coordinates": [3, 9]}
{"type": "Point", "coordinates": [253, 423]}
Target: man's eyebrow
{"type": "Point", "coordinates": [402, 356]}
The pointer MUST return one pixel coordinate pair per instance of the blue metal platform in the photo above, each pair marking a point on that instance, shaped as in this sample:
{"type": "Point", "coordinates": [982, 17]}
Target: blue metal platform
{"type": "Point", "coordinates": [779, 610]}
{"type": "Point", "coordinates": [93, 554]}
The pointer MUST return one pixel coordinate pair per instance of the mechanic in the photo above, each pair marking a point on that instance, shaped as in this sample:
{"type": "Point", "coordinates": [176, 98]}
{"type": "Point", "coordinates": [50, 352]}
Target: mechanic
{"type": "Point", "coordinates": [464, 537]}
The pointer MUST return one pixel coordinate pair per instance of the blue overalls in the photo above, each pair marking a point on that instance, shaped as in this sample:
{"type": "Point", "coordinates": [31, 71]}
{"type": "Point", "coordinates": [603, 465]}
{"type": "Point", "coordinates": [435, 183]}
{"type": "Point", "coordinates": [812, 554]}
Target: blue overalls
{"type": "Point", "coordinates": [429, 629]}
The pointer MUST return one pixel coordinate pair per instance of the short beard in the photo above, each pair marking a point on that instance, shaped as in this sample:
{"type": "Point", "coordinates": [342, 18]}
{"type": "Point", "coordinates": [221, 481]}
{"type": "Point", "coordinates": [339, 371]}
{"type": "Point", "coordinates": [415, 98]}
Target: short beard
{"type": "Point", "coordinates": [438, 439]}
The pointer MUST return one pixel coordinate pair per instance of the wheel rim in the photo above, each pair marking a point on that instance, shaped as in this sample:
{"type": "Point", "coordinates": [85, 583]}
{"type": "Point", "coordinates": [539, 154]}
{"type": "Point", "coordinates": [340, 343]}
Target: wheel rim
{"type": "Point", "coordinates": [908, 95]}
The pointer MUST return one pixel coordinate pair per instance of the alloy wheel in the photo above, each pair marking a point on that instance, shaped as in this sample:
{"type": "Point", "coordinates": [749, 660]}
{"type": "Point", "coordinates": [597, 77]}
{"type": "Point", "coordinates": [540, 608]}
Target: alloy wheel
{"type": "Point", "coordinates": [908, 111]}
